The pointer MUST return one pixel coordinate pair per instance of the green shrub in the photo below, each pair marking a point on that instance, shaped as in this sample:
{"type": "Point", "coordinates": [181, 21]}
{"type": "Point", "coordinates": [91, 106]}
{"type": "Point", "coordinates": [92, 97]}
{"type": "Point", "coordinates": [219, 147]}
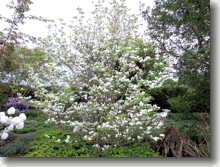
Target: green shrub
{"type": "Point", "coordinates": [190, 101]}
{"type": "Point", "coordinates": [180, 104]}
{"type": "Point", "coordinates": [131, 151]}
{"type": "Point", "coordinates": [181, 98]}
{"type": "Point", "coordinates": [8, 140]}
{"type": "Point", "coordinates": [20, 146]}
{"type": "Point", "coordinates": [47, 145]}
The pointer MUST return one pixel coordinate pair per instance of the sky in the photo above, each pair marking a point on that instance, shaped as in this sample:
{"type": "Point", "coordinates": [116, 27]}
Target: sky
{"type": "Point", "coordinates": [64, 9]}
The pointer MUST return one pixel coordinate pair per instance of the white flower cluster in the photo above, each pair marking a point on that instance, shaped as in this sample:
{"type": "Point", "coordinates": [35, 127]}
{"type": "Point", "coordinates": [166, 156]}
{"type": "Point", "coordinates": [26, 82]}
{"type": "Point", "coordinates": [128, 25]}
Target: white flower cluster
{"type": "Point", "coordinates": [11, 122]}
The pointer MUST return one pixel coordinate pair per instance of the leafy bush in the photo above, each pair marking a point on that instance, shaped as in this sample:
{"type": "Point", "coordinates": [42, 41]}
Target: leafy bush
{"type": "Point", "coordinates": [191, 101]}
{"type": "Point", "coordinates": [50, 143]}
{"type": "Point", "coordinates": [179, 104]}
{"type": "Point", "coordinates": [131, 151]}
{"type": "Point", "coordinates": [8, 140]}
{"type": "Point", "coordinates": [180, 98]}
{"type": "Point", "coordinates": [20, 146]}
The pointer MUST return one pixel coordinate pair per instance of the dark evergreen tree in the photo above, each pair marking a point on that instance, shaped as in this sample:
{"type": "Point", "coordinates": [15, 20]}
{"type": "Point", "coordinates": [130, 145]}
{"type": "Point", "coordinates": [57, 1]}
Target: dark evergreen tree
{"type": "Point", "coordinates": [181, 31]}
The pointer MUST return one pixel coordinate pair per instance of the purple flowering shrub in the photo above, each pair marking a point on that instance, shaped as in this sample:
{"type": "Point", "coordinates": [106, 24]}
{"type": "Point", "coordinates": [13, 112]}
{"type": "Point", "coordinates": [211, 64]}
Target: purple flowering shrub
{"type": "Point", "coordinates": [18, 103]}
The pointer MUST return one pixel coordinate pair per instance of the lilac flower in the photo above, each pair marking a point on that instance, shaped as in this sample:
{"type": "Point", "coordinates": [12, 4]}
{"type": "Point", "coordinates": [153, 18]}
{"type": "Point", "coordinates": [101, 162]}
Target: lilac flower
{"type": "Point", "coordinates": [17, 103]}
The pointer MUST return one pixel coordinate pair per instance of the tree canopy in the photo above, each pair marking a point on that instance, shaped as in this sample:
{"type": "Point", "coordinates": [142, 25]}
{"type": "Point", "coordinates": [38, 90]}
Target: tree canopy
{"type": "Point", "coordinates": [181, 30]}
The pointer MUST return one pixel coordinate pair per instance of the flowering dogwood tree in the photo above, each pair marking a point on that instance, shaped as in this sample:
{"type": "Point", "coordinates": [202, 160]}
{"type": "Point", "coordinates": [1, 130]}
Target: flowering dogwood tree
{"type": "Point", "coordinates": [98, 71]}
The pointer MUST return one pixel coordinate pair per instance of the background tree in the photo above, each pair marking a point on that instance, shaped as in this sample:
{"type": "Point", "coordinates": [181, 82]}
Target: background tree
{"type": "Point", "coordinates": [181, 31]}
{"type": "Point", "coordinates": [14, 50]}
{"type": "Point", "coordinates": [10, 36]}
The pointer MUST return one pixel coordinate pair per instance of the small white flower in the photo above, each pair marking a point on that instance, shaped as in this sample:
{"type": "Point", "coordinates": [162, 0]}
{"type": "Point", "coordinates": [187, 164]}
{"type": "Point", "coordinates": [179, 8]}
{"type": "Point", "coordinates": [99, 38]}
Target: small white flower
{"type": "Point", "coordinates": [91, 132]}
{"type": "Point", "coordinates": [22, 117]}
{"type": "Point", "coordinates": [106, 146]}
{"type": "Point", "coordinates": [67, 140]}
{"type": "Point", "coordinates": [163, 114]}
{"type": "Point", "coordinates": [76, 129]}
{"type": "Point", "coordinates": [4, 119]}
{"type": "Point", "coordinates": [20, 125]}
{"type": "Point", "coordinates": [11, 111]}
{"type": "Point", "coordinates": [89, 138]}
{"type": "Point", "coordinates": [15, 121]}
{"type": "Point", "coordinates": [147, 132]}
{"type": "Point", "coordinates": [139, 137]}
{"type": "Point", "coordinates": [85, 137]}
{"type": "Point", "coordinates": [162, 135]}
{"type": "Point", "coordinates": [4, 136]}
{"type": "Point", "coordinates": [96, 145]}
{"type": "Point", "coordinates": [141, 103]}
{"type": "Point", "coordinates": [2, 114]}
{"type": "Point", "coordinates": [47, 136]}
{"type": "Point", "coordinates": [58, 140]}
{"type": "Point", "coordinates": [155, 138]}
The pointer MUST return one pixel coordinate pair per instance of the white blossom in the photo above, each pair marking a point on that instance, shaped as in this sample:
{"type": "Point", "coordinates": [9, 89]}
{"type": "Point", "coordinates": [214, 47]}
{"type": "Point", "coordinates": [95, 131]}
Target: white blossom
{"type": "Point", "coordinates": [4, 119]}
{"type": "Point", "coordinates": [22, 117]}
{"type": "Point", "coordinates": [67, 140]}
{"type": "Point", "coordinates": [11, 111]}
{"type": "Point", "coordinates": [15, 120]}
{"type": "Point", "coordinates": [4, 136]}
{"type": "Point", "coordinates": [20, 125]}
